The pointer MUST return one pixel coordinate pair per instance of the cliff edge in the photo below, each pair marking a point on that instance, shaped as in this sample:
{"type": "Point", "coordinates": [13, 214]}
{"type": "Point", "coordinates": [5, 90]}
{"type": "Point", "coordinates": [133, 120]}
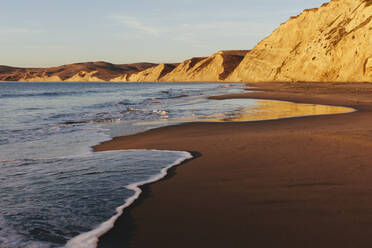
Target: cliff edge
{"type": "Point", "coordinates": [330, 44]}
{"type": "Point", "coordinates": [214, 68]}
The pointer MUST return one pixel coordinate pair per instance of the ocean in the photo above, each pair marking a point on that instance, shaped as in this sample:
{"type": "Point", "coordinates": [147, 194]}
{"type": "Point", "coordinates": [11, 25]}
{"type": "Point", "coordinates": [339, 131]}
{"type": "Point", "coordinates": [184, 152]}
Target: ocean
{"type": "Point", "coordinates": [54, 190]}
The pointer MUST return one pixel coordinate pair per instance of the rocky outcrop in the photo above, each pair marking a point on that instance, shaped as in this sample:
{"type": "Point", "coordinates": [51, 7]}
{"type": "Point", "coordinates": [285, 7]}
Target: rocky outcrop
{"type": "Point", "coordinates": [41, 78]}
{"type": "Point", "coordinates": [84, 76]}
{"type": "Point", "coordinates": [153, 74]}
{"type": "Point", "coordinates": [211, 69]}
{"type": "Point", "coordinates": [180, 73]}
{"type": "Point", "coordinates": [329, 44]}
{"type": "Point", "coordinates": [204, 69]}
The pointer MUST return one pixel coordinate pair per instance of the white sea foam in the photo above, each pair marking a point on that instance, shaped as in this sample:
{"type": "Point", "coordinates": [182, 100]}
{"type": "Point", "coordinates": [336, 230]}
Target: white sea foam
{"type": "Point", "coordinates": [90, 239]}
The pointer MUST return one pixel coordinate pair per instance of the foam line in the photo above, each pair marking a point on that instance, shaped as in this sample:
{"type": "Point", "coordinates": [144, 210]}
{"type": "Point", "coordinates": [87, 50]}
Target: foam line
{"type": "Point", "coordinates": [90, 239]}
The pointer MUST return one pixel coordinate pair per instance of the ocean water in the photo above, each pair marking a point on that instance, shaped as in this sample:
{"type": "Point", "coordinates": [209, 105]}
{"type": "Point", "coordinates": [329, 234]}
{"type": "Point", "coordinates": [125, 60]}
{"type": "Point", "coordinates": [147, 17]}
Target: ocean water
{"type": "Point", "coordinates": [54, 191]}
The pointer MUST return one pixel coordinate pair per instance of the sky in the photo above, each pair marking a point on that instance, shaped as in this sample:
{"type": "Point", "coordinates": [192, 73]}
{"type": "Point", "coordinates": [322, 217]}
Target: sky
{"type": "Point", "coordinates": [43, 33]}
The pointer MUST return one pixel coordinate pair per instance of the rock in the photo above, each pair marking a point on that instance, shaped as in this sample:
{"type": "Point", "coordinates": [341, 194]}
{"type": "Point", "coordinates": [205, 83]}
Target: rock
{"type": "Point", "coordinates": [329, 44]}
{"type": "Point", "coordinates": [211, 69]}
{"type": "Point", "coordinates": [153, 74]}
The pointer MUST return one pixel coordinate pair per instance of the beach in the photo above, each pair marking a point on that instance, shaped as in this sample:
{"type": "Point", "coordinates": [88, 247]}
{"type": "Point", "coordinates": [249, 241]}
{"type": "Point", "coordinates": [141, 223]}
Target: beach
{"type": "Point", "coordinates": [295, 182]}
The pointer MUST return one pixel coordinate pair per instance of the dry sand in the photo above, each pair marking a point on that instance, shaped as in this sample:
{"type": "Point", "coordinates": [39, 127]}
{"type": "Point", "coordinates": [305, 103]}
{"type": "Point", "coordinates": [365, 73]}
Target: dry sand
{"type": "Point", "coordinates": [298, 182]}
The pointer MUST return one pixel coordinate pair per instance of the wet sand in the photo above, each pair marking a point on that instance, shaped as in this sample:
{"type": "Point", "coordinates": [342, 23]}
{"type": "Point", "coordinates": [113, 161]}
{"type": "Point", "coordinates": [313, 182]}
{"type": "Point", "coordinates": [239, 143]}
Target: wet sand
{"type": "Point", "coordinates": [297, 182]}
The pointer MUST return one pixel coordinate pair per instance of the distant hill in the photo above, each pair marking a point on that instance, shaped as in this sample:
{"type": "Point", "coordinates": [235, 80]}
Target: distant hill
{"type": "Point", "coordinates": [90, 71]}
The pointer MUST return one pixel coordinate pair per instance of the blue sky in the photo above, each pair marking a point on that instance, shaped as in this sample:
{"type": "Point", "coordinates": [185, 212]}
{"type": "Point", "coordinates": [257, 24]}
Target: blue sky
{"type": "Point", "coordinates": [41, 33]}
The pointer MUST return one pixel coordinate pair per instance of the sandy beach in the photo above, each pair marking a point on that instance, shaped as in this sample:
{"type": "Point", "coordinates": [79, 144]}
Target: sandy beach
{"type": "Point", "coordinates": [297, 182]}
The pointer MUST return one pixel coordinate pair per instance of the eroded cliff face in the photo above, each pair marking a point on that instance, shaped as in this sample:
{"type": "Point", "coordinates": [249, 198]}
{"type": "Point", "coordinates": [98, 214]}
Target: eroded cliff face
{"type": "Point", "coordinates": [153, 74]}
{"type": "Point", "coordinates": [84, 76]}
{"type": "Point", "coordinates": [211, 69]}
{"type": "Point", "coordinates": [329, 44]}
{"type": "Point", "coordinates": [205, 69]}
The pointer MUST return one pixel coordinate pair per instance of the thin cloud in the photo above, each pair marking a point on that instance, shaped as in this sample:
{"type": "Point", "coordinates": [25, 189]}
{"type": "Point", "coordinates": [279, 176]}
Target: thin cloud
{"type": "Point", "coordinates": [188, 38]}
{"type": "Point", "coordinates": [187, 30]}
{"type": "Point", "coordinates": [135, 24]}
{"type": "Point", "coordinates": [17, 30]}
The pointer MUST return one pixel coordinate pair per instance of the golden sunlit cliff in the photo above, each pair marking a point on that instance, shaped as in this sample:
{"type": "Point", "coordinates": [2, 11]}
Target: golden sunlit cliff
{"type": "Point", "coordinates": [152, 74]}
{"type": "Point", "coordinates": [211, 69]}
{"type": "Point", "coordinates": [329, 44]}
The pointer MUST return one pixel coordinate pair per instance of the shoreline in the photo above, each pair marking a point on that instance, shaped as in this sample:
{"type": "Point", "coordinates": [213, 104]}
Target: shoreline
{"type": "Point", "coordinates": [144, 192]}
{"type": "Point", "coordinates": [135, 225]}
{"type": "Point", "coordinates": [90, 239]}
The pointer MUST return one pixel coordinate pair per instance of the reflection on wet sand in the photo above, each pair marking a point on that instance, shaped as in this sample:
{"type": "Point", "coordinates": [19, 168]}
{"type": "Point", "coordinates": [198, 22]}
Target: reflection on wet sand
{"type": "Point", "coordinates": [268, 110]}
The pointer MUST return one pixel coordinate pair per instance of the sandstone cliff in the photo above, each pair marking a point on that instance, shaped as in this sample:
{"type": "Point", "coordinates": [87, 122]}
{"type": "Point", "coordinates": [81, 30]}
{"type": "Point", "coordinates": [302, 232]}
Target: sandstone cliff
{"type": "Point", "coordinates": [211, 69]}
{"type": "Point", "coordinates": [152, 74]}
{"type": "Point", "coordinates": [84, 76]}
{"type": "Point", "coordinates": [329, 44]}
